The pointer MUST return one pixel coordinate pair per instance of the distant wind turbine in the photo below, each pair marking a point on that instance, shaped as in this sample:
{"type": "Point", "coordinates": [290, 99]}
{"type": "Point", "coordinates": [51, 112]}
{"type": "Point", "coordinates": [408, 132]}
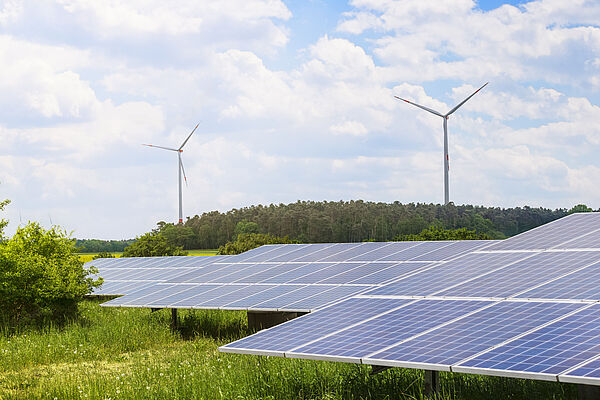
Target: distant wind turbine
{"type": "Point", "coordinates": [445, 117]}
{"type": "Point", "coordinates": [181, 170]}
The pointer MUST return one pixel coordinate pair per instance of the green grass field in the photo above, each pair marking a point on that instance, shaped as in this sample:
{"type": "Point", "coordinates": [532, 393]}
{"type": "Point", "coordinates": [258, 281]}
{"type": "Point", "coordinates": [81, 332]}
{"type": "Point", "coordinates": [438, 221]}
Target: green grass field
{"type": "Point", "coordinates": [85, 257]}
{"type": "Point", "coordinates": [127, 353]}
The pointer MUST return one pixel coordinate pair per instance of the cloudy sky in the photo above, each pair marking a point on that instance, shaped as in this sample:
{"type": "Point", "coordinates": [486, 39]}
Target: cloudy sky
{"type": "Point", "coordinates": [295, 101]}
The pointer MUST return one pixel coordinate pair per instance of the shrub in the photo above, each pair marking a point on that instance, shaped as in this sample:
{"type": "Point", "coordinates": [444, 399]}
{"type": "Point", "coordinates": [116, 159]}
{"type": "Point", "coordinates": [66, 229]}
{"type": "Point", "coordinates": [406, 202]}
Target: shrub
{"type": "Point", "coordinates": [249, 241]}
{"type": "Point", "coordinates": [438, 233]}
{"type": "Point", "coordinates": [41, 276]}
{"type": "Point", "coordinates": [103, 254]}
{"type": "Point", "coordinates": [152, 244]}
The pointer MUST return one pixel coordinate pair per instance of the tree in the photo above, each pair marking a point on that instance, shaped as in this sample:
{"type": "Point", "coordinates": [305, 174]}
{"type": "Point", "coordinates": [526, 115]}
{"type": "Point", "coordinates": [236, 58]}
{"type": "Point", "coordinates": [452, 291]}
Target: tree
{"type": "Point", "coordinates": [103, 254]}
{"type": "Point", "coordinates": [152, 244]}
{"type": "Point", "coordinates": [3, 222]}
{"type": "Point", "coordinates": [439, 233]}
{"type": "Point", "coordinates": [41, 276]}
{"type": "Point", "coordinates": [579, 208]}
{"type": "Point", "coordinates": [249, 241]}
{"type": "Point", "coordinates": [245, 226]}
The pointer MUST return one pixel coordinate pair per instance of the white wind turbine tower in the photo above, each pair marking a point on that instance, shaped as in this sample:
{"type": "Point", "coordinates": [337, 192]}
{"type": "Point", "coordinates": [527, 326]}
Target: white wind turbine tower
{"type": "Point", "coordinates": [445, 117]}
{"type": "Point", "coordinates": [181, 170]}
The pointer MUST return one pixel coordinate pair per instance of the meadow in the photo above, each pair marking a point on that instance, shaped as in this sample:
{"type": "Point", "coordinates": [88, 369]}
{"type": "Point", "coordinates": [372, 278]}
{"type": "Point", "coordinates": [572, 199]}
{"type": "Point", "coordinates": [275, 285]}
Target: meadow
{"type": "Point", "coordinates": [126, 353]}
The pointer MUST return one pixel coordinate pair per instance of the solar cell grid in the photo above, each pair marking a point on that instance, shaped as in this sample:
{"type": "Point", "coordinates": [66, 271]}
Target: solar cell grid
{"type": "Point", "coordinates": [421, 249]}
{"type": "Point", "coordinates": [588, 373]}
{"type": "Point", "coordinates": [286, 336]}
{"type": "Point", "coordinates": [270, 292]}
{"type": "Point", "coordinates": [523, 274]}
{"type": "Point", "coordinates": [297, 252]}
{"type": "Point", "coordinates": [475, 333]}
{"type": "Point", "coordinates": [388, 329]}
{"type": "Point", "coordinates": [331, 251]}
{"type": "Point", "coordinates": [580, 285]}
{"type": "Point", "coordinates": [332, 295]}
{"type": "Point", "coordinates": [243, 292]}
{"type": "Point", "coordinates": [379, 251]}
{"type": "Point", "coordinates": [388, 274]}
{"type": "Point", "coordinates": [551, 234]}
{"type": "Point", "coordinates": [454, 272]}
{"type": "Point", "coordinates": [589, 241]}
{"type": "Point", "coordinates": [549, 350]}
{"type": "Point", "coordinates": [453, 250]}
{"type": "Point", "coordinates": [363, 249]}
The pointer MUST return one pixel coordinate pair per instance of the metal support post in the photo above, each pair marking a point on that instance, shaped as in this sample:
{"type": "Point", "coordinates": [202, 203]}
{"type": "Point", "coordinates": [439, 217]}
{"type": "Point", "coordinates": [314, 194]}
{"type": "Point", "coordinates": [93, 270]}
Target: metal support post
{"type": "Point", "coordinates": [376, 369]}
{"type": "Point", "coordinates": [174, 319]}
{"type": "Point", "coordinates": [432, 384]}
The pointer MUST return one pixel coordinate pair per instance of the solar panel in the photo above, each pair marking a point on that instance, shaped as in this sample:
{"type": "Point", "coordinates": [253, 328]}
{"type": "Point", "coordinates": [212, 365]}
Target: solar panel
{"type": "Point", "coordinates": [334, 270]}
{"type": "Point", "coordinates": [552, 234]}
{"type": "Point", "coordinates": [545, 353]}
{"type": "Point", "coordinates": [473, 311]}
{"type": "Point", "coordinates": [446, 275]}
{"type": "Point", "coordinates": [579, 284]}
{"type": "Point", "coordinates": [459, 340]}
{"type": "Point", "coordinates": [523, 274]}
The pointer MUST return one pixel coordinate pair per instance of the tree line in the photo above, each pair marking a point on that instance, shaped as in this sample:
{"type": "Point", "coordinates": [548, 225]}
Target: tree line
{"type": "Point", "coordinates": [352, 221]}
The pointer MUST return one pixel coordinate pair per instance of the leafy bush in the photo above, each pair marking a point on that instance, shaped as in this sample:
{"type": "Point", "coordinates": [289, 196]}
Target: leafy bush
{"type": "Point", "coordinates": [41, 276]}
{"type": "Point", "coordinates": [152, 244]}
{"type": "Point", "coordinates": [438, 233]}
{"type": "Point", "coordinates": [103, 254]}
{"type": "Point", "coordinates": [249, 241]}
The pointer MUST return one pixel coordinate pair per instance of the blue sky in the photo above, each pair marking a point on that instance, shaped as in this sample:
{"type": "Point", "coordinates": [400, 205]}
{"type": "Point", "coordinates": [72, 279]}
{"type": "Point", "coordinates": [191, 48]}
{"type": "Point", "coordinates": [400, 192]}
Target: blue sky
{"type": "Point", "coordinates": [295, 100]}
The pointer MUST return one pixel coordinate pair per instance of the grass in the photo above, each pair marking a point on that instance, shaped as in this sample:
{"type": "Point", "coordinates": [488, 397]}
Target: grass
{"type": "Point", "coordinates": [85, 257]}
{"type": "Point", "coordinates": [131, 353]}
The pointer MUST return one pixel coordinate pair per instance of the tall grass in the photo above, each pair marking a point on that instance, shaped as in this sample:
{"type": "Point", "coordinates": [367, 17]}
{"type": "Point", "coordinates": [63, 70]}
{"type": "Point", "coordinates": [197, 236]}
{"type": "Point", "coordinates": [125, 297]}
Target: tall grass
{"type": "Point", "coordinates": [132, 354]}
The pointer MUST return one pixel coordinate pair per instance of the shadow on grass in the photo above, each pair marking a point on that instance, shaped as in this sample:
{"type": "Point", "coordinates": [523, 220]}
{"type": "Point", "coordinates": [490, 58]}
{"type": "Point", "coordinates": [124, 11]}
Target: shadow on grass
{"type": "Point", "coordinates": [216, 324]}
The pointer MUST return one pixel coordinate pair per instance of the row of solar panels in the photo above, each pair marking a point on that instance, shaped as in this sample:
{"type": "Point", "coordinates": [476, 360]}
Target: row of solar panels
{"type": "Point", "coordinates": [540, 340]}
{"type": "Point", "coordinates": [479, 313]}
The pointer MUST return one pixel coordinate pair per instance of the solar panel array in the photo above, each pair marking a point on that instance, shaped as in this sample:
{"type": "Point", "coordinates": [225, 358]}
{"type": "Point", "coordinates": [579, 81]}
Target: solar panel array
{"type": "Point", "coordinates": [525, 307]}
{"type": "Point", "coordinates": [127, 275]}
{"type": "Point", "coordinates": [300, 277]}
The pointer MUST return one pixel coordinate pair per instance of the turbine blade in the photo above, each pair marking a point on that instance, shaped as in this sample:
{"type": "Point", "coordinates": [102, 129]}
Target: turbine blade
{"type": "Point", "coordinates": [420, 106]}
{"type": "Point", "coordinates": [465, 100]}
{"type": "Point", "coordinates": [183, 170]}
{"type": "Point", "coordinates": [160, 147]}
{"type": "Point", "coordinates": [189, 136]}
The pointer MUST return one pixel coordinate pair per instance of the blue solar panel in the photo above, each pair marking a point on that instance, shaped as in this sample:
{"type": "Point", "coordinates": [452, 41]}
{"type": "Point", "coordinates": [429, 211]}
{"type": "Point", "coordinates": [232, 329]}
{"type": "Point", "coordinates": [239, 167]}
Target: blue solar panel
{"type": "Point", "coordinates": [305, 303]}
{"type": "Point", "coordinates": [270, 292]}
{"type": "Point", "coordinates": [523, 274]}
{"type": "Point", "coordinates": [291, 296]}
{"type": "Point", "coordinates": [385, 330]}
{"type": "Point", "coordinates": [377, 251]}
{"type": "Point", "coordinates": [583, 284]}
{"type": "Point", "coordinates": [422, 248]}
{"type": "Point", "coordinates": [552, 234]}
{"type": "Point", "coordinates": [550, 350]}
{"type": "Point", "coordinates": [588, 373]}
{"type": "Point", "coordinates": [450, 273]}
{"type": "Point", "coordinates": [284, 337]}
{"type": "Point", "coordinates": [589, 241]}
{"type": "Point", "coordinates": [474, 333]}
{"type": "Point", "coordinates": [296, 273]}
{"type": "Point", "coordinates": [223, 299]}
{"type": "Point", "coordinates": [453, 250]}
{"type": "Point", "coordinates": [367, 249]}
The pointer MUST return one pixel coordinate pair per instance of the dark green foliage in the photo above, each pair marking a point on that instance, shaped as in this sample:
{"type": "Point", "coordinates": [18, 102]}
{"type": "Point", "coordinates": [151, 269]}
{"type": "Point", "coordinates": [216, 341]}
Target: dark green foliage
{"type": "Point", "coordinates": [579, 208]}
{"type": "Point", "coordinates": [103, 254]}
{"type": "Point", "coordinates": [249, 241]}
{"type": "Point", "coordinates": [176, 235]}
{"type": "Point", "coordinates": [41, 276]}
{"type": "Point", "coordinates": [357, 221]}
{"type": "Point", "coordinates": [438, 233]}
{"type": "Point", "coordinates": [97, 245]}
{"type": "Point", "coordinates": [152, 244]}
{"type": "Point", "coordinates": [245, 227]}
{"type": "Point", "coordinates": [3, 222]}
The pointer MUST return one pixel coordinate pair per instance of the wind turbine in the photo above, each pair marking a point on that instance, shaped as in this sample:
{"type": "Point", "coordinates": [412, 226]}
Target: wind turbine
{"type": "Point", "coordinates": [445, 117]}
{"type": "Point", "coordinates": [181, 170]}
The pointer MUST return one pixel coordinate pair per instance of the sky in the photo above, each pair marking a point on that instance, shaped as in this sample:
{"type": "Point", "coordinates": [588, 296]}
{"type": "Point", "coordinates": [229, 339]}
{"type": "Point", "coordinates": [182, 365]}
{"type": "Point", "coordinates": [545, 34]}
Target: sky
{"type": "Point", "coordinates": [295, 101]}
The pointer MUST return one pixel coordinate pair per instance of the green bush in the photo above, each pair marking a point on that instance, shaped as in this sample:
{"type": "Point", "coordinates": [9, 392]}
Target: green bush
{"type": "Point", "coordinates": [41, 276]}
{"type": "Point", "coordinates": [152, 244]}
{"type": "Point", "coordinates": [249, 241]}
{"type": "Point", "coordinates": [103, 254]}
{"type": "Point", "coordinates": [438, 233]}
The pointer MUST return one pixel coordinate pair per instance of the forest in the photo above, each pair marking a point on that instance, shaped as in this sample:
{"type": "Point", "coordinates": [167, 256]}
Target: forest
{"type": "Point", "coordinates": [352, 221]}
